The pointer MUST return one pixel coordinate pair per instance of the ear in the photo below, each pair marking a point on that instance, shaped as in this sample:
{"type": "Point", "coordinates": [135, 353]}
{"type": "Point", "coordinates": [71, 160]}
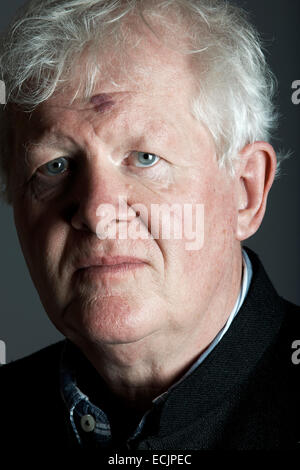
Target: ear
{"type": "Point", "coordinates": [256, 172]}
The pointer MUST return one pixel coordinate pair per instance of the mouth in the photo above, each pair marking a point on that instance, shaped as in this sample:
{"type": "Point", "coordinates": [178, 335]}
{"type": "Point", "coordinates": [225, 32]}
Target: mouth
{"type": "Point", "coordinates": [110, 264]}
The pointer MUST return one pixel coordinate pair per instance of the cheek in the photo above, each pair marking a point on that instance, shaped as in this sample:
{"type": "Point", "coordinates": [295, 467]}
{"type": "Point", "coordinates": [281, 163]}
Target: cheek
{"type": "Point", "coordinates": [220, 218]}
{"type": "Point", "coordinates": [42, 238]}
{"type": "Point", "coordinates": [214, 228]}
{"type": "Point", "coordinates": [207, 220]}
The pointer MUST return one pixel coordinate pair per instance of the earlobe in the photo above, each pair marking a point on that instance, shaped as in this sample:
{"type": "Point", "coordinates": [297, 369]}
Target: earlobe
{"type": "Point", "coordinates": [256, 175]}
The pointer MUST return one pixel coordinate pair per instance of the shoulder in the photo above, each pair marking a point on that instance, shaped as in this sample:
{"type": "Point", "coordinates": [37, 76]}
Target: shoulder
{"type": "Point", "coordinates": [32, 370]}
{"type": "Point", "coordinates": [263, 294]}
{"type": "Point", "coordinates": [289, 334]}
{"type": "Point", "coordinates": [292, 310]}
{"type": "Point", "coordinates": [272, 311]}
{"type": "Point", "coordinates": [272, 325]}
{"type": "Point", "coordinates": [31, 400]}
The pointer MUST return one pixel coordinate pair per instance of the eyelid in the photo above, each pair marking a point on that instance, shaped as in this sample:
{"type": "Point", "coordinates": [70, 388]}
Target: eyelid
{"type": "Point", "coordinates": [44, 166]}
{"type": "Point", "coordinates": [135, 154]}
{"type": "Point", "coordinates": [42, 169]}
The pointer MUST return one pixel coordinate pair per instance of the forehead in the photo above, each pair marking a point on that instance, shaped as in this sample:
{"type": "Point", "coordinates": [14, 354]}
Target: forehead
{"type": "Point", "coordinates": [151, 65]}
{"type": "Point", "coordinates": [155, 79]}
{"type": "Point", "coordinates": [112, 119]}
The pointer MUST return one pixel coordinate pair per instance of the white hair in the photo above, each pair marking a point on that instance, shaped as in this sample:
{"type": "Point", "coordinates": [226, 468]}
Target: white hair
{"type": "Point", "coordinates": [234, 84]}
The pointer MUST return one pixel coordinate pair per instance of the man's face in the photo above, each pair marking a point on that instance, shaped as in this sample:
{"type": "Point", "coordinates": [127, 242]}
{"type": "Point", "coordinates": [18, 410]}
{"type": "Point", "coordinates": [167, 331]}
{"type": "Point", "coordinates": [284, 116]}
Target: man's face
{"type": "Point", "coordinates": [57, 207]}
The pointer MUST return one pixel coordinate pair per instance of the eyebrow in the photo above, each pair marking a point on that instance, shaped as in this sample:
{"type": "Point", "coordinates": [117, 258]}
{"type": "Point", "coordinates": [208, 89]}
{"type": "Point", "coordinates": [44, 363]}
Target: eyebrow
{"type": "Point", "coordinates": [49, 139]}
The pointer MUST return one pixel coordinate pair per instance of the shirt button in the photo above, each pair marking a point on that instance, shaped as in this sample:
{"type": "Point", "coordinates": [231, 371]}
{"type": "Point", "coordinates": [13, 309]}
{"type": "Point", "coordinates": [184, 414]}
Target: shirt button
{"type": "Point", "coordinates": [88, 423]}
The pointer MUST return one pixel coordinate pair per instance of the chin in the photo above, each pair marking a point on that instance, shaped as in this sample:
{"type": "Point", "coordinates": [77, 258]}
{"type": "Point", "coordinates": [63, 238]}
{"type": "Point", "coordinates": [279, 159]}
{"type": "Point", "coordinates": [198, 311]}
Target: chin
{"type": "Point", "coordinates": [109, 321]}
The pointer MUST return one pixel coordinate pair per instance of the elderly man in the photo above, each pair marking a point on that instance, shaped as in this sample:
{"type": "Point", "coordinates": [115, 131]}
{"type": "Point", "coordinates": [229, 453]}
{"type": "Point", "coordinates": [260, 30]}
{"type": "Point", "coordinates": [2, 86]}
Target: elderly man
{"type": "Point", "coordinates": [136, 158]}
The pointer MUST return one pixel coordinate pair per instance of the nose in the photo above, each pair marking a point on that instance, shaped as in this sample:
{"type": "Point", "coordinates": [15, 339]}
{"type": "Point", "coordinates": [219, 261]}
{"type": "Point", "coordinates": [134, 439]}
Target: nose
{"type": "Point", "coordinates": [101, 193]}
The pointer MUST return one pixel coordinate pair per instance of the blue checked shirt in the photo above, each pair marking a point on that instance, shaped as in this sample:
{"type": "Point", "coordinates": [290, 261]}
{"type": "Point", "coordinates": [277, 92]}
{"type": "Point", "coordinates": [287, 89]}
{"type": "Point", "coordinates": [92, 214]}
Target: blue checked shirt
{"type": "Point", "coordinates": [89, 422]}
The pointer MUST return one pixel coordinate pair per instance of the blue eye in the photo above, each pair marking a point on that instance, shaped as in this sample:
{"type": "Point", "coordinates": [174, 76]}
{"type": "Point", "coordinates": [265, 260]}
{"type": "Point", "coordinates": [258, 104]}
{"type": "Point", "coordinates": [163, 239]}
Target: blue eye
{"type": "Point", "coordinates": [57, 166]}
{"type": "Point", "coordinates": [145, 159]}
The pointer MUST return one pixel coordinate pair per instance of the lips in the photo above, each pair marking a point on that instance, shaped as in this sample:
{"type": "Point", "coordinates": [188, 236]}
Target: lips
{"type": "Point", "coordinates": [103, 261]}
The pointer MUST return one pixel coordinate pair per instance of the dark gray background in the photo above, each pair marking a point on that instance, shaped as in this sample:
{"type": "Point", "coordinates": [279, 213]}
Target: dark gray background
{"type": "Point", "coordinates": [24, 325]}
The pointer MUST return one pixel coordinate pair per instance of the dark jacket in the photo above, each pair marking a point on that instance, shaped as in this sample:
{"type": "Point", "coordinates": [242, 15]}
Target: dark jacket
{"type": "Point", "coordinates": [245, 395]}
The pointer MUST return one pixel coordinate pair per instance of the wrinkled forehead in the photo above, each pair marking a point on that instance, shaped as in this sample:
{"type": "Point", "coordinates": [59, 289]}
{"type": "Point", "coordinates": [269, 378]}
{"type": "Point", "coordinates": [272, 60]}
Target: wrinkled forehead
{"type": "Point", "coordinates": [156, 111]}
{"type": "Point", "coordinates": [152, 77]}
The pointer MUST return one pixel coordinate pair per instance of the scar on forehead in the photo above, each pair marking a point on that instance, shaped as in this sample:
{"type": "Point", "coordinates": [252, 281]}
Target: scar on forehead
{"type": "Point", "coordinates": [102, 102]}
